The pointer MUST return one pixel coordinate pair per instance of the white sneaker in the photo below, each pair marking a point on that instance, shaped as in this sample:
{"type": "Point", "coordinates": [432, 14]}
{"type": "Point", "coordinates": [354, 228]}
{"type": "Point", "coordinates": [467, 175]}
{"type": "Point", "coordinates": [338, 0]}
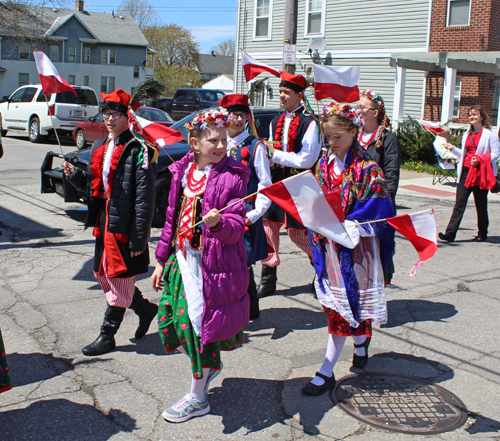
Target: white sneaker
{"type": "Point", "coordinates": [212, 373]}
{"type": "Point", "coordinates": [187, 407]}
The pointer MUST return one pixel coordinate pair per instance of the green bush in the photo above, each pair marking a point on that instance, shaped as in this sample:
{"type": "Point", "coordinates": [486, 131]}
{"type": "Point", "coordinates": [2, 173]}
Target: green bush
{"type": "Point", "coordinates": [417, 142]}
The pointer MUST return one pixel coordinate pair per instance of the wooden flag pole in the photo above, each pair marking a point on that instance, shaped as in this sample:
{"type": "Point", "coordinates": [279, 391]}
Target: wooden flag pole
{"type": "Point", "coordinates": [52, 119]}
{"type": "Point", "coordinates": [381, 220]}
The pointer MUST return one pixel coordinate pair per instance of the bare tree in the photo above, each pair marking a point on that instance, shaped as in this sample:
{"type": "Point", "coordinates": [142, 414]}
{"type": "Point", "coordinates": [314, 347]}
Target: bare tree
{"type": "Point", "coordinates": [143, 12]}
{"type": "Point", "coordinates": [225, 47]}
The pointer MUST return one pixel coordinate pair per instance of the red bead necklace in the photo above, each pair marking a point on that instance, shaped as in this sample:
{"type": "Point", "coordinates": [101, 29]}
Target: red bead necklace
{"type": "Point", "coordinates": [194, 185]}
{"type": "Point", "coordinates": [366, 144]}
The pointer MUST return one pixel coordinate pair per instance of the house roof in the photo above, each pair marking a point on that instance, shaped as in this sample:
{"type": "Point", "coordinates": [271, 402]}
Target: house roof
{"type": "Point", "coordinates": [216, 64]}
{"type": "Point", "coordinates": [486, 62]}
{"type": "Point", "coordinates": [45, 22]}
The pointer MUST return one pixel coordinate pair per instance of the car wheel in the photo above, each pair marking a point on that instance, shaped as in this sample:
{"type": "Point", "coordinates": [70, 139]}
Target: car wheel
{"type": "Point", "coordinates": [81, 142]}
{"type": "Point", "coordinates": [2, 131]}
{"type": "Point", "coordinates": [161, 201]}
{"type": "Point", "coordinates": [35, 130]}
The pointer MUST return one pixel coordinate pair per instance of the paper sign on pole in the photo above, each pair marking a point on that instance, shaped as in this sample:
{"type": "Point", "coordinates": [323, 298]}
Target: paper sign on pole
{"type": "Point", "coordinates": [289, 53]}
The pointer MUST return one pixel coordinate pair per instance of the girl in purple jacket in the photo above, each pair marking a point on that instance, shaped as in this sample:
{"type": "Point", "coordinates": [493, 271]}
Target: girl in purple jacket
{"type": "Point", "coordinates": [205, 304]}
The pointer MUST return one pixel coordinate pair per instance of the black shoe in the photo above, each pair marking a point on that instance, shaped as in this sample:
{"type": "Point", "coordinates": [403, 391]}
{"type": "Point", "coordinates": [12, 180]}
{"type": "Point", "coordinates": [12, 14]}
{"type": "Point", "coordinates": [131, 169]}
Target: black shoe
{"type": "Point", "coordinates": [106, 340]}
{"type": "Point", "coordinates": [480, 238]}
{"type": "Point", "coordinates": [446, 237]}
{"type": "Point", "coordinates": [359, 361]}
{"type": "Point", "coordinates": [268, 281]}
{"type": "Point", "coordinates": [146, 311]}
{"type": "Point", "coordinates": [313, 389]}
{"type": "Point", "coordinates": [254, 300]}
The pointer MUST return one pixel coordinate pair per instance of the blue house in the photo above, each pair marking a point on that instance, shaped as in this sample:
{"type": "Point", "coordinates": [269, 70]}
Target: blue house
{"type": "Point", "coordinates": [103, 51]}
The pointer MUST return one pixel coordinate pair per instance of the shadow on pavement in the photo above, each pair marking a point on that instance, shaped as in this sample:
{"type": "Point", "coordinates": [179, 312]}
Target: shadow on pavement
{"type": "Point", "coordinates": [59, 420]}
{"type": "Point", "coordinates": [401, 312]}
{"type": "Point", "coordinates": [149, 344]}
{"type": "Point", "coordinates": [483, 424]}
{"type": "Point", "coordinates": [286, 320]}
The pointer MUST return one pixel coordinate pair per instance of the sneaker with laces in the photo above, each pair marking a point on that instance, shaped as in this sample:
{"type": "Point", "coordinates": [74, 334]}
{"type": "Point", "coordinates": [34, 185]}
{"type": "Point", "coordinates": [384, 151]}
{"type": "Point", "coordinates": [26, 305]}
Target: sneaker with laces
{"type": "Point", "coordinates": [212, 373]}
{"type": "Point", "coordinates": [187, 407]}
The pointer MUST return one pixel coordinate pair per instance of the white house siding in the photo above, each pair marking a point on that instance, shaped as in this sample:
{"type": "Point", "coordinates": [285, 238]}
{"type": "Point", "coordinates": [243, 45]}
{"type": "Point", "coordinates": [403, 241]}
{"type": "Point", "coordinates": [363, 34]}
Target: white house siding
{"type": "Point", "coordinates": [358, 32]}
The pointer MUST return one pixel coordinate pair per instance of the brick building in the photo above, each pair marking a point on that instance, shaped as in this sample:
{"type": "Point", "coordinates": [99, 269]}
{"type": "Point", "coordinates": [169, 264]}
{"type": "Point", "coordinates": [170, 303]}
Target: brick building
{"type": "Point", "coordinates": [462, 66]}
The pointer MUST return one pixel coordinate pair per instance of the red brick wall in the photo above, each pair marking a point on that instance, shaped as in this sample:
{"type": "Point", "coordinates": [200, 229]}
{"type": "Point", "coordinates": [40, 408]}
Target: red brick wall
{"type": "Point", "coordinates": [475, 89]}
{"type": "Point", "coordinates": [482, 34]}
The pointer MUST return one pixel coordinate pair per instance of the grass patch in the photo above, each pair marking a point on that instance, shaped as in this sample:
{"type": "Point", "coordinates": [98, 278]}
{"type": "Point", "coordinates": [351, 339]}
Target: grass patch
{"type": "Point", "coordinates": [421, 167]}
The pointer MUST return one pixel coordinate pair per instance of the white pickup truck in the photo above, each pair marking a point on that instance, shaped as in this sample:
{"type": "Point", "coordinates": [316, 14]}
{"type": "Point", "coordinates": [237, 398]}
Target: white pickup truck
{"type": "Point", "coordinates": [28, 111]}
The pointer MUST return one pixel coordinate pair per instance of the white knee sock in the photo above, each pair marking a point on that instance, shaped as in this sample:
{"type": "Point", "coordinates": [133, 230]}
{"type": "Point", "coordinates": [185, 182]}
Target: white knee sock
{"type": "Point", "coordinates": [333, 350]}
{"type": "Point", "coordinates": [198, 386]}
{"type": "Point", "coordinates": [359, 339]}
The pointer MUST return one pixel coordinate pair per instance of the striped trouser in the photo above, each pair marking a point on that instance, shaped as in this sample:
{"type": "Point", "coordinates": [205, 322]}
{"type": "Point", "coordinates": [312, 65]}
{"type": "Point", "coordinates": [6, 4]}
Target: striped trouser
{"type": "Point", "coordinates": [119, 290]}
{"type": "Point", "coordinates": [298, 237]}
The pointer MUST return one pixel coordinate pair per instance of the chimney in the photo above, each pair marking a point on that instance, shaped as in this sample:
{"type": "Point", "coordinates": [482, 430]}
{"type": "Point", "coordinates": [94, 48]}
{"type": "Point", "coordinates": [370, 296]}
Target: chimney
{"type": "Point", "coordinates": [79, 5]}
{"type": "Point", "coordinates": [213, 54]}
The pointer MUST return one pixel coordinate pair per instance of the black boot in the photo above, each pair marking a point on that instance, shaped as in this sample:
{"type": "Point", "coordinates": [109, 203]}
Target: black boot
{"type": "Point", "coordinates": [267, 282]}
{"type": "Point", "coordinates": [254, 300]}
{"type": "Point", "coordinates": [106, 340]}
{"type": "Point", "coordinates": [146, 311]}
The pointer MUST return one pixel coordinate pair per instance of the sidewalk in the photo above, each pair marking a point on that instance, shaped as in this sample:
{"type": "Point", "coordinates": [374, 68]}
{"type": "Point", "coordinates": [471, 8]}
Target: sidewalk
{"type": "Point", "coordinates": [412, 183]}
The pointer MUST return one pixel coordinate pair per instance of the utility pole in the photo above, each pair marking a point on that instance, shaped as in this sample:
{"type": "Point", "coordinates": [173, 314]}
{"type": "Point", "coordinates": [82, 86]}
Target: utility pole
{"type": "Point", "coordinates": [290, 32]}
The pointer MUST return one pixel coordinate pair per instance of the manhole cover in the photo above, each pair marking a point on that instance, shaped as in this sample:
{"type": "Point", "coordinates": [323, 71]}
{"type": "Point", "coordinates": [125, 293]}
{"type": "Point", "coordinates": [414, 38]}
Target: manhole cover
{"type": "Point", "coordinates": [400, 403]}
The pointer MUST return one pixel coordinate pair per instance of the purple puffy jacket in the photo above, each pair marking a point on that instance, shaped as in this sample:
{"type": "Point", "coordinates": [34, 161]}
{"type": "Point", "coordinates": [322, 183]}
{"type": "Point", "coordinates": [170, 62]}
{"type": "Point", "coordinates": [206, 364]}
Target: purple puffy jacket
{"type": "Point", "coordinates": [224, 268]}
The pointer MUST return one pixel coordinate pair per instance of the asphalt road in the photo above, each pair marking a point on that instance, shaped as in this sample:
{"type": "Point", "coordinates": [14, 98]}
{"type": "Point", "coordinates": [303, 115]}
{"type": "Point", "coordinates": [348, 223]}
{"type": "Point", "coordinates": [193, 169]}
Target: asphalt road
{"type": "Point", "coordinates": [441, 328]}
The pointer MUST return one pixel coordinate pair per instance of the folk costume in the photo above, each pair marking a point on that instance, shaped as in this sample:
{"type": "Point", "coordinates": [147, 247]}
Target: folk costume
{"type": "Point", "coordinates": [121, 201]}
{"type": "Point", "coordinates": [204, 305]}
{"type": "Point", "coordinates": [298, 149]}
{"type": "Point", "coordinates": [350, 282]}
{"type": "Point", "coordinates": [4, 369]}
{"type": "Point", "coordinates": [483, 145]}
{"type": "Point", "coordinates": [383, 147]}
{"type": "Point", "coordinates": [251, 152]}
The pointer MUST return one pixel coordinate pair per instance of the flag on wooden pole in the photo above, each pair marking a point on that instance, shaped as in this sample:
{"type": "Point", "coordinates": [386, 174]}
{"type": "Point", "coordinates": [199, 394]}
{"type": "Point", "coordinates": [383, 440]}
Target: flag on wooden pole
{"type": "Point", "coordinates": [252, 67]}
{"type": "Point", "coordinates": [431, 126]}
{"type": "Point", "coordinates": [50, 79]}
{"type": "Point", "coordinates": [337, 82]}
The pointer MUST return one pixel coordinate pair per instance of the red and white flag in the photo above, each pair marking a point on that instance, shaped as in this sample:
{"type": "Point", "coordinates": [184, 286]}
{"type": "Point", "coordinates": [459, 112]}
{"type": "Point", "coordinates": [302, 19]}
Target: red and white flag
{"type": "Point", "coordinates": [337, 82]}
{"type": "Point", "coordinates": [433, 127]}
{"type": "Point", "coordinates": [302, 197]}
{"type": "Point", "coordinates": [421, 230]}
{"type": "Point", "coordinates": [51, 81]}
{"type": "Point", "coordinates": [252, 67]}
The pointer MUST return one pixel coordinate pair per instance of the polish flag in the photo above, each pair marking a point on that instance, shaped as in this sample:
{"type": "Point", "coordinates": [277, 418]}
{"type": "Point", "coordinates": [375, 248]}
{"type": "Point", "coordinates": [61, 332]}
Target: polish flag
{"type": "Point", "coordinates": [433, 127]}
{"type": "Point", "coordinates": [421, 230]}
{"type": "Point", "coordinates": [252, 67]}
{"type": "Point", "coordinates": [51, 81]}
{"type": "Point", "coordinates": [302, 197]}
{"type": "Point", "coordinates": [337, 82]}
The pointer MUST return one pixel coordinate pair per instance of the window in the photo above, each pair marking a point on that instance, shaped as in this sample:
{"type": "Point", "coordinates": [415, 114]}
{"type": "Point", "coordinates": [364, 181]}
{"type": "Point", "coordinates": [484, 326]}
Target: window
{"type": "Point", "coordinates": [24, 51]}
{"type": "Point", "coordinates": [41, 97]}
{"type": "Point", "coordinates": [54, 52]}
{"type": "Point", "coordinates": [107, 84]}
{"type": "Point", "coordinates": [29, 93]}
{"type": "Point", "coordinates": [24, 79]}
{"type": "Point", "coordinates": [259, 94]}
{"type": "Point", "coordinates": [72, 54]}
{"type": "Point", "coordinates": [86, 55]}
{"type": "Point", "coordinates": [456, 98]}
{"type": "Point", "coordinates": [86, 80]}
{"type": "Point", "coordinates": [72, 79]}
{"type": "Point", "coordinates": [136, 71]}
{"type": "Point", "coordinates": [108, 56]}
{"type": "Point", "coordinates": [262, 23]}
{"type": "Point", "coordinates": [314, 14]}
{"type": "Point", "coordinates": [17, 95]}
{"type": "Point", "coordinates": [458, 12]}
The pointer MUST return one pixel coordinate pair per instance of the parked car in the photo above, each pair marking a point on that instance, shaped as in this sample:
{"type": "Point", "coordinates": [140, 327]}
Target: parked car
{"type": "Point", "coordinates": [29, 111]}
{"type": "Point", "coordinates": [53, 180]}
{"type": "Point", "coordinates": [187, 101]}
{"type": "Point", "coordinates": [94, 128]}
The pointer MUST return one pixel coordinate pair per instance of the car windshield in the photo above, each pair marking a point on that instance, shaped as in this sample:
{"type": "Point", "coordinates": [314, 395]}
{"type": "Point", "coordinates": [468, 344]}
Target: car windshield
{"type": "Point", "coordinates": [153, 114]}
{"type": "Point", "coordinates": [83, 96]}
{"type": "Point", "coordinates": [211, 95]}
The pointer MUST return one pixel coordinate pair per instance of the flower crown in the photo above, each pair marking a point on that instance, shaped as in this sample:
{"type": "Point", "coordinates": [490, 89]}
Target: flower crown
{"type": "Point", "coordinates": [218, 117]}
{"type": "Point", "coordinates": [374, 97]}
{"type": "Point", "coordinates": [343, 110]}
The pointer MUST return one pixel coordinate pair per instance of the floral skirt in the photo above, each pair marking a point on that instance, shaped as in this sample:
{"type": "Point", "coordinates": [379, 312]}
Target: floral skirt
{"type": "Point", "coordinates": [338, 325]}
{"type": "Point", "coordinates": [4, 369]}
{"type": "Point", "coordinates": [176, 329]}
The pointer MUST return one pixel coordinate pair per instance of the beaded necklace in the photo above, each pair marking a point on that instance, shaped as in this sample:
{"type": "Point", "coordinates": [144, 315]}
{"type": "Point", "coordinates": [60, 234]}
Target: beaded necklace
{"type": "Point", "coordinates": [194, 185]}
{"type": "Point", "coordinates": [367, 143]}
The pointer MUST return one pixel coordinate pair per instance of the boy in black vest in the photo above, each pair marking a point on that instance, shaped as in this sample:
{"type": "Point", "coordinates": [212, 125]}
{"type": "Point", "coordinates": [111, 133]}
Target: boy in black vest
{"type": "Point", "coordinates": [298, 150]}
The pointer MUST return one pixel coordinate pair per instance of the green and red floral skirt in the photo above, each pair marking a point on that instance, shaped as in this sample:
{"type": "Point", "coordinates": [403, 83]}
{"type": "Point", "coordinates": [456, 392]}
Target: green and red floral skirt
{"type": "Point", "coordinates": [176, 329]}
{"type": "Point", "coordinates": [4, 369]}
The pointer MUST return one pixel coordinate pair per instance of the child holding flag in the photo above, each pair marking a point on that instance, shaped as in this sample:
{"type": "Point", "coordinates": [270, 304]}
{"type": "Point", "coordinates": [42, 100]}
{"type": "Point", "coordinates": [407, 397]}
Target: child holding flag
{"type": "Point", "coordinates": [205, 304]}
{"type": "Point", "coordinates": [350, 282]}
